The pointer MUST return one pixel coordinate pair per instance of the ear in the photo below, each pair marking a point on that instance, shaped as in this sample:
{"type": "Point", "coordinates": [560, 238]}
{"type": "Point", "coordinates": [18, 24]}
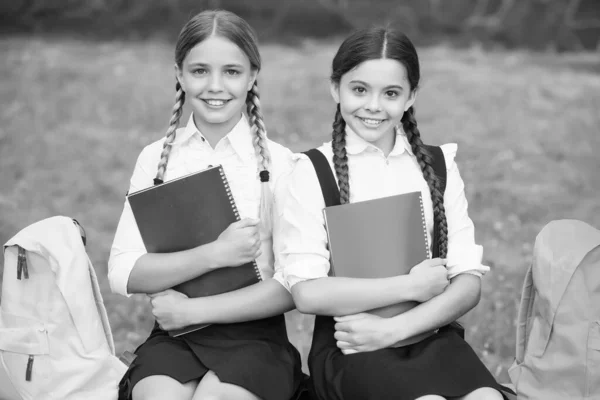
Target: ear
{"type": "Point", "coordinates": [334, 89]}
{"type": "Point", "coordinates": [253, 76]}
{"type": "Point", "coordinates": [411, 100]}
{"type": "Point", "coordinates": [179, 75]}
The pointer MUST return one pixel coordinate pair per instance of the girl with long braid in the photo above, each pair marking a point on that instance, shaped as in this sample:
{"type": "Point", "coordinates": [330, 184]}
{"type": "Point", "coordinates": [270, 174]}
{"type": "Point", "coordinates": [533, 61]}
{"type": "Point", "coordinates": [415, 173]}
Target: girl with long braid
{"type": "Point", "coordinates": [245, 353]}
{"type": "Point", "coordinates": [376, 151]}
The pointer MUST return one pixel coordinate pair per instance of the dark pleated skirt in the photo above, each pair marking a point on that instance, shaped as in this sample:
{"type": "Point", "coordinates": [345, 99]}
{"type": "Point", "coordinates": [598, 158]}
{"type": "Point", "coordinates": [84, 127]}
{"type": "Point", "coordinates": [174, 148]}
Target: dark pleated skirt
{"type": "Point", "coordinates": [255, 355]}
{"type": "Point", "coordinates": [443, 364]}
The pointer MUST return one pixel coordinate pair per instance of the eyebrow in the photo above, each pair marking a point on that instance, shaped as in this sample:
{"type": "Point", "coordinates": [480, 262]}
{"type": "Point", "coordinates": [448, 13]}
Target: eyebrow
{"type": "Point", "coordinates": [200, 64]}
{"type": "Point", "coordinates": [366, 84]}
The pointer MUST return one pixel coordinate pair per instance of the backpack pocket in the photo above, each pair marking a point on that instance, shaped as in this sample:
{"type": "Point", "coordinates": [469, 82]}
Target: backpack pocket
{"type": "Point", "coordinates": [593, 361]}
{"type": "Point", "coordinates": [24, 353]}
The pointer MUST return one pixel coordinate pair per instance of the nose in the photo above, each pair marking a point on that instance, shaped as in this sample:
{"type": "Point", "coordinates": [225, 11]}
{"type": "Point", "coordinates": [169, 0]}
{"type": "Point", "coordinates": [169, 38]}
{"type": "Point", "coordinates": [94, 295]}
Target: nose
{"type": "Point", "coordinates": [373, 104]}
{"type": "Point", "coordinates": [215, 83]}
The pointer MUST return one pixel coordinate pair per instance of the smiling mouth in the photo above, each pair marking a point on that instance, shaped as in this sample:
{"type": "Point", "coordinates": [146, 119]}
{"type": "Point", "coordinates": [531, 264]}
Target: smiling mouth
{"type": "Point", "coordinates": [215, 102]}
{"type": "Point", "coordinates": [371, 122]}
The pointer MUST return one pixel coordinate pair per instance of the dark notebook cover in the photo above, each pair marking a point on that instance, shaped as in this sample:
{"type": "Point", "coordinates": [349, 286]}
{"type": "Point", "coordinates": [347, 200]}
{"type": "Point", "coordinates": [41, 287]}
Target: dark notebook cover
{"type": "Point", "coordinates": [378, 238]}
{"type": "Point", "coordinates": [187, 212]}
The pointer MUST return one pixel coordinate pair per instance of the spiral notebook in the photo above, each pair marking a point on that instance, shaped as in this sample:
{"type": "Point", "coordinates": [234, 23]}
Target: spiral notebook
{"type": "Point", "coordinates": [187, 212]}
{"type": "Point", "coordinates": [378, 238]}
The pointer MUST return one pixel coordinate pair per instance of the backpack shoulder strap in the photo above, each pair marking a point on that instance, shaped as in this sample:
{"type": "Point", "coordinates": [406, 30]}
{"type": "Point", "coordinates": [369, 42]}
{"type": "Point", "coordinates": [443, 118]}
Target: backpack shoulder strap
{"type": "Point", "coordinates": [329, 188]}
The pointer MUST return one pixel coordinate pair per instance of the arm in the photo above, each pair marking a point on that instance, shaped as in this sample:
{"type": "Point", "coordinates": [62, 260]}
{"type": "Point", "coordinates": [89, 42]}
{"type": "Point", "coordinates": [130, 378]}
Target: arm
{"type": "Point", "coordinates": [460, 297]}
{"type": "Point", "coordinates": [342, 296]}
{"type": "Point", "coordinates": [130, 268]}
{"type": "Point", "coordinates": [154, 272]}
{"type": "Point", "coordinates": [262, 300]}
{"type": "Point", "coordinates": [464, 261]}
{"type": "Point", "coordinates": [305, 258]}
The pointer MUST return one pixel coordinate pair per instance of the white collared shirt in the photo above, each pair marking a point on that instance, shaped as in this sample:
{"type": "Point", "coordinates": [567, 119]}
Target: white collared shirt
{"type": "Point", "coordinates": [303, 248]}
{"type": "Point", "coordinates": [191, 152]}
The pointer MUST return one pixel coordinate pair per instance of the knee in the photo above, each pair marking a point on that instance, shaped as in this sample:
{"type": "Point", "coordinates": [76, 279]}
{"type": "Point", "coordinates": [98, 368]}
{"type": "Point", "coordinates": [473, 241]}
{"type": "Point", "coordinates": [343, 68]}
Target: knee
{"type": "Point", "coordinates": [485, 393]}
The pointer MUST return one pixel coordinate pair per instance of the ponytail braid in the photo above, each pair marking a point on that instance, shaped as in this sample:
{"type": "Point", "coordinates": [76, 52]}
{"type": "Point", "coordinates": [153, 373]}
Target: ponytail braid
{"type": "Point", "coordinates": [340, 157]}
{"type": "Point", "coordinates": [425, 160]}
{"type": "Point", "coordinates": [262, 152]}
{"type": "Point", "coordinates": [170, 135]}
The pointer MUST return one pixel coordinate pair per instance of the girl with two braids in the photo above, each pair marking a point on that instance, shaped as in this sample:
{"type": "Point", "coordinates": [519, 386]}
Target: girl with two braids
{"type": "Point", "coordinates": [245, 354]}
{"type": "Point", "coordinates": [377, 151]}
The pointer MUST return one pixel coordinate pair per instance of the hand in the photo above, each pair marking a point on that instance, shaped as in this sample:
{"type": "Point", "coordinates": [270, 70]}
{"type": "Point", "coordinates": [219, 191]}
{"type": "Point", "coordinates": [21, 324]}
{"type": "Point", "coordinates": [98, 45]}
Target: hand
{"type": "Point", "coordinates": [362, 332]}
{"type": "Point", "coordinates": [239, 243]}
{"type": "Point", "coordinates": [430, 278]}
{"type": "Point", "coordinates": [168, 308]}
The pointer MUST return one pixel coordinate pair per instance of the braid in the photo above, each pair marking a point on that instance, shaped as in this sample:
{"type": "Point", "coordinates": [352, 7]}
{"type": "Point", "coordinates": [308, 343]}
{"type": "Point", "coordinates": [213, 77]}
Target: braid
{"type": "Point", "coordinates": [340, 157]}
{"type": "Point", "coordinates": [170, 135]}
{"type": "Point", "coordinates": [262, 153]}
{"type": "Point", "coordinates": [425, 160]}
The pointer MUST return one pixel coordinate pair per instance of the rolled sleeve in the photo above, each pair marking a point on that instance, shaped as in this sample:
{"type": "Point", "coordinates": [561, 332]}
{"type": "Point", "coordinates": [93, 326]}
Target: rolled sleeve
{"type": "Point", "coordinates": [128, 245]}
{"type": "Point", "coordinates": [302, 247]}
{"type": "Point", "coordinates": [464, 255]}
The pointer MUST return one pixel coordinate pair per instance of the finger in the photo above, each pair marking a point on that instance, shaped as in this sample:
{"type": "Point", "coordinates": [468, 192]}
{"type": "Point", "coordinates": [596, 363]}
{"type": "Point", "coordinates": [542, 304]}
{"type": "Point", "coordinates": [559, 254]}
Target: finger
{"type": "Point", "coordinates": [343, 345]}
{"type": "Point", "coordinates": [342, 327]}
{"type": "Point", "coordinates": [349, 351]}
{"type": "Point", "coordinates": [341, 335]}
{"type": "Point", "coordinates": [246, 222]}
{"type": "Point", "coordinates": [158, 294]}
{"type": "Point", "coordinates": [351, 317]}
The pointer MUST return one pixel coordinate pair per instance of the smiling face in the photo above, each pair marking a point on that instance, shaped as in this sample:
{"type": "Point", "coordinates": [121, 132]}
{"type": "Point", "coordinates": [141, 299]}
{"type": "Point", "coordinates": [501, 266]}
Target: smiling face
{"type": "Point", "coordinates": [373, 97]}
{"type": "Point", "coordinates": [216, 76]}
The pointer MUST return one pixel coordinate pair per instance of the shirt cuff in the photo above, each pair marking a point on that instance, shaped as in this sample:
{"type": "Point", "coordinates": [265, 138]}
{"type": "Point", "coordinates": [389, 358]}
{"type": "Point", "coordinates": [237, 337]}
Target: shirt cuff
{"type": "Point", "coordinates": [278, 276]}
{"type": "Point", "coordinates": [119, 271]}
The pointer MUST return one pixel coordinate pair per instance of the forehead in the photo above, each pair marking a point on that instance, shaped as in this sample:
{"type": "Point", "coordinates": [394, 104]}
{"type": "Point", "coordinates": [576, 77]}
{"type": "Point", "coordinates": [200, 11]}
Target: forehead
{"type": "Point", "coordinates": [217, 50]}
{"type": "Point", "coordinates": [379, 73]}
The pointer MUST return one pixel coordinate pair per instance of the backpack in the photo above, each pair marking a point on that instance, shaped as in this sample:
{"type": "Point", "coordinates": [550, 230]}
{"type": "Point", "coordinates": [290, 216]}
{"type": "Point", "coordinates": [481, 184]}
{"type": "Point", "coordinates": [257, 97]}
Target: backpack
{"type": "Point", "coordinates": [558, 331]}
{"type": "Point", "coordinates": [55, 339]}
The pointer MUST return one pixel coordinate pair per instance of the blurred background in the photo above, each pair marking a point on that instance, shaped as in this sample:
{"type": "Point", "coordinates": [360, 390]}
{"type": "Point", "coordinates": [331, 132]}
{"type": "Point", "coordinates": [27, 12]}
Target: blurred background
{"type": "Point", "coordinates": [85, 85]}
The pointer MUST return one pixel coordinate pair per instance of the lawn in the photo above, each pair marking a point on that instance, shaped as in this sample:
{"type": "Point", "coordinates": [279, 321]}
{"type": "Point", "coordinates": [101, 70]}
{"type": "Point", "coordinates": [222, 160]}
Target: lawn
{"type": "Point", "coordinates": [76, 114]}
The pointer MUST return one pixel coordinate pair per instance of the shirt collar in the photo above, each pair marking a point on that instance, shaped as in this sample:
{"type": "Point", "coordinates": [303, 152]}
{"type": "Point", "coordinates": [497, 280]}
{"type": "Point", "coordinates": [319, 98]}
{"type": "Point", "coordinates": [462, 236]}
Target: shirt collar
{"type": "Point", "coordinates": [355, 144]}
{"type": "Point", "coordinates": [239, 137]}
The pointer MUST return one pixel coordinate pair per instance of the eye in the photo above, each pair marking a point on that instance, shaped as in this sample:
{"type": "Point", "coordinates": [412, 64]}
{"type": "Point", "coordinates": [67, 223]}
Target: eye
{"type": "Point", "coordinates": [232, 72]}
{"type": "Point", "coordinates": [391, 93]}
{"type": "Point", "coordinates": [199, 71]}
{"type": "Point", "coordinates": [359, 90]}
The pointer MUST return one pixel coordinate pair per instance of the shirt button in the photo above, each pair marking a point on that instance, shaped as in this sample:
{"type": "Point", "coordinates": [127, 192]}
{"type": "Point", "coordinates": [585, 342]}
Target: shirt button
{"type": "Point", "coordinates": [203, 139]}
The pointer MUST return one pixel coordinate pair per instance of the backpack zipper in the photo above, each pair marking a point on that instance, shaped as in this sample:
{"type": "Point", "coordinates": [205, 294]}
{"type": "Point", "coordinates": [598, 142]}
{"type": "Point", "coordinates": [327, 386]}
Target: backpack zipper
{"type": "Point", "coordinates": [22, 264]}
{"type": "Point", "coordinates": [29, 369]}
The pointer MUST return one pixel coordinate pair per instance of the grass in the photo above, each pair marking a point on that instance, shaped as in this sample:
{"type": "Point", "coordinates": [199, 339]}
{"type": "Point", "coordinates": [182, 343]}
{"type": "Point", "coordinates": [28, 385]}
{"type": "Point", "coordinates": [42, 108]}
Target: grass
{"type": "Point", "coordinates": [75, 116]}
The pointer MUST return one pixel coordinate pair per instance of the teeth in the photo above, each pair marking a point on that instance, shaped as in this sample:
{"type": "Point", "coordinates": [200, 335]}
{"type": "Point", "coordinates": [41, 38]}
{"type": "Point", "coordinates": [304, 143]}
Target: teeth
{"type": "Point", "coordinates": [373, 122]}
{"type": "Point", "coordinates": [215, 102]}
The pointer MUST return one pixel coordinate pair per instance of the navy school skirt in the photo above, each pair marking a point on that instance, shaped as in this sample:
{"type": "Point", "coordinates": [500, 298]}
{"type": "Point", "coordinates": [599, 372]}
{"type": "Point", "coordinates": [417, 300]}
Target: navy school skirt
{"type": "Point", "coordinates": [255, 355]}
{"type": "Point", "coordinates": [442, 364]}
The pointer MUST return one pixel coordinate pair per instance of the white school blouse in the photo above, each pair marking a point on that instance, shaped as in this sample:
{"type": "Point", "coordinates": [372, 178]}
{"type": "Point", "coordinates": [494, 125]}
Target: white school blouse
{"type": "Point", "coordinates": [303, 249]}
{"type": "Point", "coordinates": [191, 152]}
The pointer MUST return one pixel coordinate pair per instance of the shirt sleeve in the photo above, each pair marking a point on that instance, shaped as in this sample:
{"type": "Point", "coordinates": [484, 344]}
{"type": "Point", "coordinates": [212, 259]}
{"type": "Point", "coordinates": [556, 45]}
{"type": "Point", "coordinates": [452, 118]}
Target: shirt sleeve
{"type": "Point", "coordinates": [128, 245]}
{"type": "Point", "coordinates": [279, 194]}
{"type": "Point", "coordinates": [302, 246]}
{"type": "Point", "coordinates": [464, 255]}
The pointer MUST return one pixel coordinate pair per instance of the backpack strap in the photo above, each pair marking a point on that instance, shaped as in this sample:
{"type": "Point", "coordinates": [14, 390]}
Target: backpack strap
{"type": "Point", "coordinates": [329, 188]}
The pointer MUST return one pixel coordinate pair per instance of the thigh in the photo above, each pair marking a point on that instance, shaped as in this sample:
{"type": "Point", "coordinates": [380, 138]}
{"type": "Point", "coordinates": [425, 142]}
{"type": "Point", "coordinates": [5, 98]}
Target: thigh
{"type": "Point", "coordinates": [211, 388]}
{"type": "Point", "coordinates": [163, 387]}
{"type": "Point", "coordinates": [484, 393]}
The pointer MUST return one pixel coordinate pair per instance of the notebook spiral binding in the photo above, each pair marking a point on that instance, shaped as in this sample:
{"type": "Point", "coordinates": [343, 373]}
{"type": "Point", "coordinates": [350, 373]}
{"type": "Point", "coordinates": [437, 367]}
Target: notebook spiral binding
{"type": "Point", "coordinates": [237, 213]}
{"type": "Point", "coordinates": [424, 226]}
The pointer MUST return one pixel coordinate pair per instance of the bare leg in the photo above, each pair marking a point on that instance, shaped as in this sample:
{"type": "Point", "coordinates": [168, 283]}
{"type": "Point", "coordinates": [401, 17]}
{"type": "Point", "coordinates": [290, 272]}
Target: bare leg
{"type": "Point", "coordinates": [160, 387]}
{"type": "Point", "coordinates": [211, 388]}
{"type": "Point", "coordinates": [485, 393]}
